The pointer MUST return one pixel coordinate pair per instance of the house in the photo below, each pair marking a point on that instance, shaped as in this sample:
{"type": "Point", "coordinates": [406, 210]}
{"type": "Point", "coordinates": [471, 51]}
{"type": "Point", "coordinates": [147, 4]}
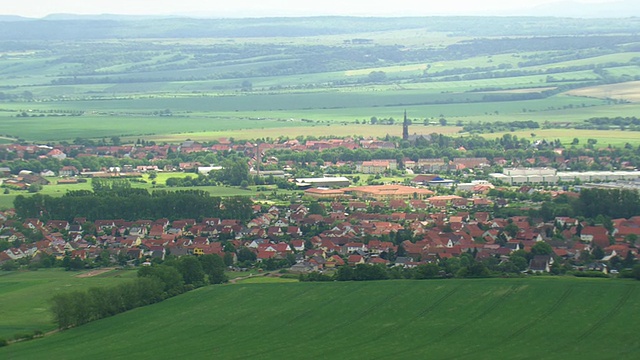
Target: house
{"type": "Point", "coordinates": [354, 260]}
{"type": "Point", "coordinates": [595, 234]}
{"type": "Point", "coordinates": [541, 263]}
{"type": "Point", "coordinates": [68, 170]}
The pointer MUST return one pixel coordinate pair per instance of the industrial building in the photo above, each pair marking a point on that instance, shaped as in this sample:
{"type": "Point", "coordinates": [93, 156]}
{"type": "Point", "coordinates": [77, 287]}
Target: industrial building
{"type": "Point", "coordinates": [328, 182]}
{"type": "Point", "coordinates": [519, 176]}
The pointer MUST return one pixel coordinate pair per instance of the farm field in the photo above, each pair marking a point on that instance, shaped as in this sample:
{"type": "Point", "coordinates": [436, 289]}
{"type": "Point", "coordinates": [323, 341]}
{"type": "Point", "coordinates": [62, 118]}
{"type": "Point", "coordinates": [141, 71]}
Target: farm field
{"type": "Point", "coordinates": [338, 121]}
{"type": "Point", "coordinates": [25, 295]}
{"type": "Point", "coordinates": [629, 91]}
{"type": "Point", "coordinates": [550, 318]}
{"type": "Point", "coordinates": [617, 138]}
{"type": "Point", "coordinates": [137, 81]}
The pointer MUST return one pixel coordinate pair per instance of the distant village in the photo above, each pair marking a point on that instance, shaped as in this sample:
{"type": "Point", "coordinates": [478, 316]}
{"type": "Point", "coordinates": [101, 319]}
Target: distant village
{"type": "Point", "coordinates": [425, 219]}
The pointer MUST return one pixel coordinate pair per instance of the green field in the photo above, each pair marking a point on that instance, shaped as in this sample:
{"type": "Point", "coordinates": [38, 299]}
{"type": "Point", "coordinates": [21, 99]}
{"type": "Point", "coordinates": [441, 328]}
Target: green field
{"type": "Point", "coordinates": [617, 138]}
{"type": "Point", "coordinates": [536, 318]}
{"type": "Point", "coordinates": [432, 68]}
{"type": "Point", "coordinates": [25, 296]}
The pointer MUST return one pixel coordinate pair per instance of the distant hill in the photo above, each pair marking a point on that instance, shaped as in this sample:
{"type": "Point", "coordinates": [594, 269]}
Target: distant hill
{"type": "Point", "coordinates": [533, 318]}
{"type": "Point", "coordinates": [13, 18]}
{"type": "Point", "coordinates": [74, 27]}
{"type": "Point", "coordinates": [618, 9]}
{"type": "Point", "coordinates": [113, 17]}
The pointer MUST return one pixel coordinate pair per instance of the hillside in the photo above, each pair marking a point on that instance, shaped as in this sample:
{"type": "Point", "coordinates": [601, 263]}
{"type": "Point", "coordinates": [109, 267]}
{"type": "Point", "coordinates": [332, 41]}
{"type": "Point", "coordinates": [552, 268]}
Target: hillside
{"type": "Point", "coordinates": [480, 319]}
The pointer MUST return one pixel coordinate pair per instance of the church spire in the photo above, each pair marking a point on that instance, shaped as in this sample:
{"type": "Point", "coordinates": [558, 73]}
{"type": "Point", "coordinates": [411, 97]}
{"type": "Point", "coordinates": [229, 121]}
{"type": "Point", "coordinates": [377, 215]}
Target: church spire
{"type": "Point", "coordinates": [405, 127]}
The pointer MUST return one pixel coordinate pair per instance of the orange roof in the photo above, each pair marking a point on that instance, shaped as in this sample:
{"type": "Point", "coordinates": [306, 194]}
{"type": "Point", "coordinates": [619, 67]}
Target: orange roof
{"type": "Point", "coordinates": [389, 190]}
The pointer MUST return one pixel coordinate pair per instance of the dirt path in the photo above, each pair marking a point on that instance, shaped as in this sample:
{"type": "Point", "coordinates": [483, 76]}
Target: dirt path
{"type": "Point", "coordinates": [95, 272]}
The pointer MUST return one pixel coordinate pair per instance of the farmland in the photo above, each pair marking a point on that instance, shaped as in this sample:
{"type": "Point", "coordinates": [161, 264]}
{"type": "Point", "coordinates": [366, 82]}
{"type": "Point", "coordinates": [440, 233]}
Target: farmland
{"type": "Point", "coordinates": [25, 296]}
{"type": "Point", "coordinates": [552, 318]}
{"type": "Point", "coordinates": [205, 83]}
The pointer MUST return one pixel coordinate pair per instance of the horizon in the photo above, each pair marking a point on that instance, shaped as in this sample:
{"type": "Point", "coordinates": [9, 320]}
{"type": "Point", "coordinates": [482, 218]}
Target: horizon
{"type": "Point", "coordinates": [38, 9]}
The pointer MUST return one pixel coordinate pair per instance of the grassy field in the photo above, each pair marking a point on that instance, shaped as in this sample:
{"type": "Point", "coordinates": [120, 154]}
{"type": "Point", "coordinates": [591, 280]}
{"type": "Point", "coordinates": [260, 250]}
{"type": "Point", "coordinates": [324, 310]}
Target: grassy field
{"type": "Point", "coordinates": [55, 190]}
{"type": "Point", "coordinates": [25, 296]}
{"type": "Point", "coordinates": [550, 318]}
{"type": "Point", "coordinates": [605, 138]}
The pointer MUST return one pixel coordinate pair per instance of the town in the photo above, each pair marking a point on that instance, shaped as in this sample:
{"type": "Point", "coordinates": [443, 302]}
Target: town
{"type": "Point", "coordinates": [429, 210]}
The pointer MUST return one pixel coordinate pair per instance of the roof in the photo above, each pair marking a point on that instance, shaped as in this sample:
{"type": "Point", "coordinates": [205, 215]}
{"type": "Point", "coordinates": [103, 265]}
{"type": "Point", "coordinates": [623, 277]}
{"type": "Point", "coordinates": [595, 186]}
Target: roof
{"type": "Point", "coordinates": [389, 190]}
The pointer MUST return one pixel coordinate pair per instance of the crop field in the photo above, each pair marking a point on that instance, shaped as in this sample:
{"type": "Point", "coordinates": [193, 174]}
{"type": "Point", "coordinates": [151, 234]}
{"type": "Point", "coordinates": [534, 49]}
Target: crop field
{"type": "Point", "coordinates": [286, 120]}
{"type": "Point", "coordinates": [550, 318]}
{"type": "Point", "coordinates": [25, 295]}
{"type": "Point", "coordinates": [251, 86]}
{"type": "Point", "coordinates": [605, 138]}
{"type": "Point", "coordinates": [629, 91]}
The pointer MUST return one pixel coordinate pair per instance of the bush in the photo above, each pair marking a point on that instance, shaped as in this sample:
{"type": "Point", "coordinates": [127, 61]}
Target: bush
{"type": "Point", "coordinates": [591, 274]}
{"type": "Point", "coordinates": [3, 342]}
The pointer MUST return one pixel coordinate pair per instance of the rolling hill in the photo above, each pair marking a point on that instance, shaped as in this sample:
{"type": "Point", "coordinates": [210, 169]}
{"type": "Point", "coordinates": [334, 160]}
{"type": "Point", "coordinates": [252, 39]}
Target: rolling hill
{"type": "Point", "coordinates": [550, 318]}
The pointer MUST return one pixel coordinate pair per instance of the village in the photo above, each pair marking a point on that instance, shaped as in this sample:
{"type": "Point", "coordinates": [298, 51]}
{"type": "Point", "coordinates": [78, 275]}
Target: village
{"type": "Point", "coordinates": [445, 206]}
{"type": "Point", "coordinates": [378, 224]}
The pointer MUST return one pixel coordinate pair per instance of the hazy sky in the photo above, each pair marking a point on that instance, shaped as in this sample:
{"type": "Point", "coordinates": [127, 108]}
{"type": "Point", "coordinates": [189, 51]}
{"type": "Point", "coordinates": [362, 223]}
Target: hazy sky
{"type": "Point", "coordinates": [39, 8]}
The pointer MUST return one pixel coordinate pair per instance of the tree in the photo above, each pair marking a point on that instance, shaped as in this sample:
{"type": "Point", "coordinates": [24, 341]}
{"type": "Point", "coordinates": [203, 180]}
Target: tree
{"type": "Point", "coordinates": [191, 271]}
{"type": "Point", "coordinates": [377, 76]}
{"type": "Point", "coordinates": [213, 266]}
{"type": "Point", "coordinates": [427, 271]}
{"type": "Point", "coordinates": [168, 275]}
{"type": "Point", "coordinates": [246, 85]}
{"type": "Point", "coordinates": [541, 248]}
{"type": "Point", "coordinates": [511, 229]}
{"type": "Point", "coordinates": [629, 260]}
{"type": "Point", "coordinates": [636, 272]}
{"type": "Point", "coordinates": [9, 265]}
{"type": "Point", "coordinates": [244, 254]}
{"type": "Point", "coordinates": [228, 258]}
{"type": "Point", "coordinates": [316, 209]}
{"type": "Point", "coordinates": [34, 188]}
{"type": "Point", "coordinates": [597, 253]}
{"type": "Point", "coordinates": [443, 121]}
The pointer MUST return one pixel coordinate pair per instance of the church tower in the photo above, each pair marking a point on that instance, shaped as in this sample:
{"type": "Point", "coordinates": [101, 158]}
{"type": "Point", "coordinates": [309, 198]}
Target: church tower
{"type": "Point", "coordinates": [405, 127]}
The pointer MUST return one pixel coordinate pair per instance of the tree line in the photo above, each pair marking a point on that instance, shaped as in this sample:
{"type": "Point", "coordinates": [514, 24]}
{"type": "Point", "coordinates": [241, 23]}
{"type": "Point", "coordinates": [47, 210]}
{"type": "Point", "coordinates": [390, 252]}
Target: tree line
{"type": "Point", "coordinates": [133, 204]}
{"type": "Point", "coordinates": [154, 284]}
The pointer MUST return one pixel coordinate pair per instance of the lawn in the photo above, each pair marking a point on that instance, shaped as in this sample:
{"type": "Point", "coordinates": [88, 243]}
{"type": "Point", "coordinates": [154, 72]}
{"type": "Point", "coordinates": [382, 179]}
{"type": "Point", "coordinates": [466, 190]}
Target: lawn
{"type": "Point", "coordinates": [550, 318]}
{"type": "Point", "coordinates": [25, 296]}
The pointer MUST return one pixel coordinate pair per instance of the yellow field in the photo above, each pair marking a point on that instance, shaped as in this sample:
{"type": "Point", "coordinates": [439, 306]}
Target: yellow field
{"type": "Point", "coordinates": [629, 91]}
{"type": "Point", "coordinates": [319, 130]}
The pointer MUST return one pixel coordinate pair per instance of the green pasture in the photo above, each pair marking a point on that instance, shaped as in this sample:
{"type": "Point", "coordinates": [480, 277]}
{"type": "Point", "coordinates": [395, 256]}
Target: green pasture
{"type": "Point", "coordinates": [535, 318]}
{"type": "Point", "coordinates": [25, 296]}
{"type": "Point", "coordinates": [617, 138]}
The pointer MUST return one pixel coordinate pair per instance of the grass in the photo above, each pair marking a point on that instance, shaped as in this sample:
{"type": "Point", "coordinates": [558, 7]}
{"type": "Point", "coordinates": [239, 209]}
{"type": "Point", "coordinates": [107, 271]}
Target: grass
{"type": "Point", "coordinates": [266, 280]}
{"type": "Point", "coordinates": [617, 138]}
{"type": "Point", "coordinates": [25, 296]}
{"type": "Point", "coordinates": [532, 318]}
{"type": "Point", "coordinates": [55, 190]}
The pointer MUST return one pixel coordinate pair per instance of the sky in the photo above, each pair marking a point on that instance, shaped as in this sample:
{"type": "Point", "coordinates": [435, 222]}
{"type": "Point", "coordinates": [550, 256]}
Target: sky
{"type": "Point", "coordinates": [258, 8]}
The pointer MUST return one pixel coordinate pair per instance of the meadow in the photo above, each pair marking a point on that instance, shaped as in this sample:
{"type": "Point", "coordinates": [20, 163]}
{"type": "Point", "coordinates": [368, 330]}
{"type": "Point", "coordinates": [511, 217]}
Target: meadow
{"type": "Point", "coordinates": [532, 318]}
{"type": "Point", "coordinates": [25, 296]}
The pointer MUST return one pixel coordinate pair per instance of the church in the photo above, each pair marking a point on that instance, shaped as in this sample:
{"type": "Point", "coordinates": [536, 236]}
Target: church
{"type": "Point", "coordinates": [415, 137]}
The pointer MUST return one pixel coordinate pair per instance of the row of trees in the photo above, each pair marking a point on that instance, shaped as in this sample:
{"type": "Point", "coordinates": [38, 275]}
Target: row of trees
{"type": "Point", "coordinates": [154, 284]}
{"type": "Point", "coordinates": [599, 204]}
{"type": "Point", "coordinates": [133, 204]}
